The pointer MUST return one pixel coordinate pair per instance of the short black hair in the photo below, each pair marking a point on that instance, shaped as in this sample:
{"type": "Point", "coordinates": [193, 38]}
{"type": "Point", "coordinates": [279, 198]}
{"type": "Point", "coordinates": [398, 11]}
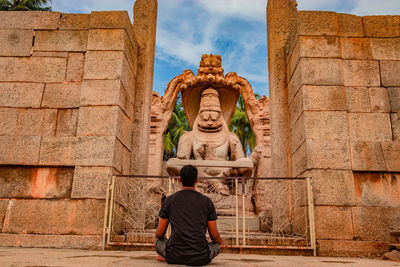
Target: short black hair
{"type": "Point", "coordinates": [188, 175]}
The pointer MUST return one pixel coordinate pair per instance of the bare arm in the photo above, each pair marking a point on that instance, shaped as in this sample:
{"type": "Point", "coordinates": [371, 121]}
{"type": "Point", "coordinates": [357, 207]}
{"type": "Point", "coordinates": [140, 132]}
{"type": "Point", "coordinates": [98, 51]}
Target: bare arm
{"type": "Point", "coordinates": [162, 228]}
{"type": "Point", "coordinates": [213, 231]}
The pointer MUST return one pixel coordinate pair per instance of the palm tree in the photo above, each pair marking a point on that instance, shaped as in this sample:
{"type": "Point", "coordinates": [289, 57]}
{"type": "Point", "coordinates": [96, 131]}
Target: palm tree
{"type": "Point", "coordinates": [25, 5]}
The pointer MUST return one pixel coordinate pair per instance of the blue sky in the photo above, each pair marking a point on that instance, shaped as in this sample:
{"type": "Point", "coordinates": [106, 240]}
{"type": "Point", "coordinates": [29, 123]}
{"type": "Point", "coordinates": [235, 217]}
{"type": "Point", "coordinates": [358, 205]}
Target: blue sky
{"type": "Point", "coordinates": [235, 29]}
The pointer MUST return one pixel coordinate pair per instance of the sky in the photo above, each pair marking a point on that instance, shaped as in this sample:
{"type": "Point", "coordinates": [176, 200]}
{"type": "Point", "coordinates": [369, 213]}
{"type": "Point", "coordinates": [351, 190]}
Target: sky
{"type": "Point", "coordinates": [234, 29]}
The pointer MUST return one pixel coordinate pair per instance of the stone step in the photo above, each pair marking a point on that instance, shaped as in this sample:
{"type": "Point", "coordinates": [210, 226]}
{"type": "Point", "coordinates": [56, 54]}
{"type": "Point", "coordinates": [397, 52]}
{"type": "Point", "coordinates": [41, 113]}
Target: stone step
{"type": "Point", "coordinates": [228, 223]}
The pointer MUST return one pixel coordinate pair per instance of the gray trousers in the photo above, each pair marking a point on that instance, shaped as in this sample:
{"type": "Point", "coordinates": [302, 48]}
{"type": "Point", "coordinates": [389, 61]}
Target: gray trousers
{"type": "Point", "coordinates": [160, 245]}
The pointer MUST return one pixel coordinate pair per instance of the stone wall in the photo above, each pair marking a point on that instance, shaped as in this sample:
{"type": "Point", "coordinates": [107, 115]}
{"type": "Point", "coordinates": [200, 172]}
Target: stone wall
{"type": "Point", "coordinates": [67, 87]}
{"type": "Point", "coordinates": [343, 88]}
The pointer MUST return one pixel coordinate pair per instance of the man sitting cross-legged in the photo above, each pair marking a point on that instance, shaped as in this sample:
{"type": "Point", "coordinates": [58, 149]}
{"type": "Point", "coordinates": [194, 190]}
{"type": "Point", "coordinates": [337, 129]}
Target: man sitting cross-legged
{"type": "Point", "coordinates": [190, 214]}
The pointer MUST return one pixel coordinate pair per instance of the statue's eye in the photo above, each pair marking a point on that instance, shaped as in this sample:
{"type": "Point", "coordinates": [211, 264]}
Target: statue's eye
{"type": "Point", "coordinates": [214, 117]}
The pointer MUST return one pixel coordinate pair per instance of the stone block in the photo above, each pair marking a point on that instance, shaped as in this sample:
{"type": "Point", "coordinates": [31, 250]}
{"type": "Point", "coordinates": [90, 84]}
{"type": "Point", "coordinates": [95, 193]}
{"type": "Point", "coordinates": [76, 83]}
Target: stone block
{"type": "Point", "coordinates": [19, 150]}
{"type": "Point", "coordinates": [36, 122]}
{"type": "Point", "coordinates": [350, 25]}
{"type": "Point", "coordinates": [367, 156]}
{"type": "Point", "coordinates": [394, 97]}
{"type": "Point", "coordinates": [296, 107]}
{"type": "Point", "coordinates": [297, 134]}
{"type": "Point", "coordinates": [332, 222]}
{"type": "Point", "coordinates": [75, 66]}
{"type": "Point", "coordinates": [51, 241]}
{"type": "Point", "coordinates": [356, 48]}
{"type": "Point", "coordinates": [49, 54]}
{"type": "Point", "coordinates": [391, 153]}
{"type": "Point", "coordinates": [332, 187]}
{"type": "Point", "coordinates": [37, 20]}
{"type": "Point", "coordinates": [379, 99]}
{"type": "Point", "coordinates": [58, 151]}
{"type": "Point", "coordinates": [122, 159]}
{"type": "Point", "coordinates": [74, 21]}
{"type": "Point", "coordinates": [390, 70]}
{"type": "Point", "coordinates": [91, 182]}
{"type": "Point", "coordinates": [8, 121]}
{"type": "Point", "coordinates": [67, 122]}
{"type": "Point", "coordinates": [394, 119]}
{"type": "Point", "coordinates": [357, 99]}
{"type": "Point", "coordinates": [61, 40]}
{"type": "Point", "coordinates": [21, 95]}
{"type": "Point", "coordinates": [375, 223]}
{"type": "Point", "coordinates": [113, 39]}
{"type": "Point", "coordinates": [95, 151]}
{"type": "Point", "coordinates": [385, 48]}
{"type": "Point", "coordinates": [3, 207]}
{"type": "Point", "coordinates": [316, 71]}
{"type": "Point", "coordinates": [33, 69]}
{"type": "Point", "coordinates": [328, 154]}
{"type": "Point", "coordinates": [361, 73]}
{"type": "Point", "coordinates": [370, 126]}
{"type": "Point", "coordinates": [376, 189]}
{"type": "Point", "coordinates": [16, 43]}
{"type": "Point", "coordinates": [55, 216]}
{"type": "Point", "coordinates": [326, 125]}
{"type": "Point", "coordinates": [35, 182]}
{"type": "Point", "coordinates": [381, 26]}
{"type": "Point", "coordinates": [108, 65]}
{"type": "Point", "coordinates": [317, 23]}
{"type": "Point", "coordinates": [62, 95]}
{"type": "Point", "coordinates": [324, 98]}
{"type": "Point", "coordinates": [106, 92]}
{"type": "Point", "coordinates": [299, 161]}
{"type": "Point", "coordinates": [351, 248]}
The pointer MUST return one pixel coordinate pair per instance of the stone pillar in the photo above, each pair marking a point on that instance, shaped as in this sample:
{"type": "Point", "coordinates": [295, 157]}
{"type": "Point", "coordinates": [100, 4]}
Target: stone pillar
{"type": "Point", "coordinates": [281, 17]}
{"type": "Point", "coordinates": [145, 20]}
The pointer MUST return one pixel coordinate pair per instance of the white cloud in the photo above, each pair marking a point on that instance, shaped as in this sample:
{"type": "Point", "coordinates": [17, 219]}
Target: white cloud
{"type": "Point", "coordinates": [375, 7]}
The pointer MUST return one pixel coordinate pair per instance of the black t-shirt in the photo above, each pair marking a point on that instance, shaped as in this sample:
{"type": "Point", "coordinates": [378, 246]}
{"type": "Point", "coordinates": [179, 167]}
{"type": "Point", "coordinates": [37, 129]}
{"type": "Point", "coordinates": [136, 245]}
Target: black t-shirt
{"type": "Point", "coordinates": [188, 212]}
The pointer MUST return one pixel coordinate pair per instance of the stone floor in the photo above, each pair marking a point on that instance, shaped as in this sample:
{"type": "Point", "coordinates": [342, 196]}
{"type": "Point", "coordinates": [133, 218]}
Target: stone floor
{"type": "Point", "coordinates": [68, 257]}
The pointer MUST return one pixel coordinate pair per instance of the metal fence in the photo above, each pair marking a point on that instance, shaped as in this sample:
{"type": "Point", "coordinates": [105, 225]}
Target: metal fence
{"type": "Point", "coordinates": [253, 212]}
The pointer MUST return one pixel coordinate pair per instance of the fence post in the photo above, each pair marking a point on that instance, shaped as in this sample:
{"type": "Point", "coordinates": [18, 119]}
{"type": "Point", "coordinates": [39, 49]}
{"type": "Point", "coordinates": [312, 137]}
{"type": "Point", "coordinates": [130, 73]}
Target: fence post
{"type": "Point", "coordinates": [310, 199]}
{"type": "Point", "coordinates": [106, 210]}
{"type": "Point", "coordinates": [237, 211]}
{"type": "Point", "coordinates": [110, 214]}
{"type": "Point", "coordinates": [243, 211]}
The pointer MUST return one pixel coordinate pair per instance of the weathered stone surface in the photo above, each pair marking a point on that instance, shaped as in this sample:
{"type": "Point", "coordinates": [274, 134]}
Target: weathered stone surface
{"type": "Point", "coordinates": [375, 223]}
{"type": "Point", "coordinates": [385, 48]}
{"type": "Point", "coordinates": [394, 119]}
{"type": "Point", "coordinates": [61, 40]}
{"type": "Point", "coordinates": [357, 99]}
{"type": "Point", "coordinates": [317, 23]}
{"type": "Point", "coordinates": [299, 161]}
{"type": "Point", "coordinates": [377, 189]}
{"type": "Point", "coordinates": [391, 153]}
{"type": "Point", "coordinates": [91, 182]}
{"type": "Point", "coordinates": [36, 122]}
{"type": "Point", "coordinates": [33, 69]}
{"type": "Point", "coordinates": [3, 207]}
{"type": "Point", "coordinates": [16, 42]}
{"type": "Point", "coordinates": [370, 126]}
{"type": "Point", "coordinates": [316, 71]}
{"type": "Point", "coordinates": [350, 25]}
{"type": "Point", "coordinates": [333, 154]}
{"type": "Point", "coordinates": [21, 95]}
{"type": "Point", "coordinates": [74, 21]}
{"type": "Point", "coordinates": [35, 182]}
{"type": "Point", "coordinates": [333, 222]}
{"type": "Point", "coordinates": [108, 65]}
{"type": "Point", "coordinates": [382, 26]}
{"type": "Point", "coordinates": [58, 151]}
{"type": "Point", "coordinates": [23, 150]}
{"type": "Point", "coordinates": [347, 248]}
{"type": "Point", "coordinates": [49, 54]}
{"type": "Point", "coordinates": [326, 125]}
{"type": "Point", "coordinates": [67, 122]}
{"type": "Point", "coordinates": [38, 20]}
{"type": "Point", "coordinates": [324, 98]}
{"type": "Point", "coordinates": [379, 99]}
{"type": "Point", "coordinates": [394, 97]}
{"type": "Point", "coordinates": [75, 66]}
{"type": "Point", "coordinates": [54, 217]}
{"type": "Point", "coordinates": [122, 158]}
{"type": "Point", "coordinates": [106, 92]}
{"type": "Point", "coordinates": [296, 107]}
{"type": "Point", "coordinates": [361, 73]}
{"type": "Point", "coordinates": [95, 151]}
{"type": "Point", "coordinates": [51, 241]}
{"type": "Point", "coordinates": [332, 187]}
{"type": "Point", "coordinates": [356, 48]}
{"type": "Point", "coordinates": [8, 121]}
{"type": "Point", "coordinates": [367, 156]}
{"type": "Point", "coordinates": [61, 95]}
{"type": "Point", "coordinates": [390, 70]}
{"type": "Point", "coordinates": [297, 133]}
{"type": "Point", "coordinates": [393, 255]}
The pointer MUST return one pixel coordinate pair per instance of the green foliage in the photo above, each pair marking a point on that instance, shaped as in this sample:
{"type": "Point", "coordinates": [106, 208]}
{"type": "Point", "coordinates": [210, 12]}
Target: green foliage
{"type": "Point", "coordinates": [25, 5]}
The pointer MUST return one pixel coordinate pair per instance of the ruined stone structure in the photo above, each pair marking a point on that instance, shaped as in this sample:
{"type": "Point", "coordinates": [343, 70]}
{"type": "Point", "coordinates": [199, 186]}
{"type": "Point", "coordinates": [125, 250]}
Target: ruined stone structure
{"type": "Point", "coordinates": [334, 89]}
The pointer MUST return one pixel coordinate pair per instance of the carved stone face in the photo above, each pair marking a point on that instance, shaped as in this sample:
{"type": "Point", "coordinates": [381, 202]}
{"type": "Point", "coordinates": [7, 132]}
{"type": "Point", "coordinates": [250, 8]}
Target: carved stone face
{"type": "Point", "coordinates": [210, 121]}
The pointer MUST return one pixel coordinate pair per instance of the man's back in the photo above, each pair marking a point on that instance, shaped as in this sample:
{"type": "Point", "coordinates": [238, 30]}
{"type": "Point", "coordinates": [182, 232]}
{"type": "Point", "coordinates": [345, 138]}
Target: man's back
{"type": "Point", "coordinates": [188, 211]}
